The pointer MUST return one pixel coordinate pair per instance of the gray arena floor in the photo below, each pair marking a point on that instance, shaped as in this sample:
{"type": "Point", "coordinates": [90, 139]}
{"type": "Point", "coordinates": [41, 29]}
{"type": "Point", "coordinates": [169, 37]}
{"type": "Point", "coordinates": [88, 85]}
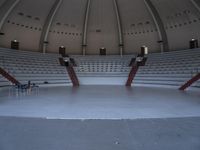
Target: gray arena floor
{"type": "Point", "coordinates": [100, 118]}
{"type": "Point", "coordinates": [100, 102]}
{"type": "Point", "coordinates": [147, 134]}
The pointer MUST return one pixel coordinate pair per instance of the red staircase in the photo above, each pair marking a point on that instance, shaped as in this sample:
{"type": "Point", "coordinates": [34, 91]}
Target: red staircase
{"type": "Point", "coordinates": [70, 70]}
{"type": "Point", "coordinates": [190, 82]}
{"type": "Point", "coordinates": [132, 75]}
{"type": "Point", "coordinates": [135, 66]}
{"type": "Point", "coordinates": [72, 75]}
{"type": "Point", "coordinates": [8, 76]}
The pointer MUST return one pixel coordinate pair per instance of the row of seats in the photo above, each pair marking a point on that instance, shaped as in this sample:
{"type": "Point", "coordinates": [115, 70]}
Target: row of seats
{"type": "Point", "coordinates": [102, 66]}
{"type": "Point", "coordinates": [34, 66]}
{"type": "Point", "coordinates": [3, 81]}
{"type": "Point", "coordinates": [169, 68]}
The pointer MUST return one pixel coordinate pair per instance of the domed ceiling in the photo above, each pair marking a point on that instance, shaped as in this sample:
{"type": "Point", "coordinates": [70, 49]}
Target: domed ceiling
{"type": "Point", "coordinates": [83, 26]}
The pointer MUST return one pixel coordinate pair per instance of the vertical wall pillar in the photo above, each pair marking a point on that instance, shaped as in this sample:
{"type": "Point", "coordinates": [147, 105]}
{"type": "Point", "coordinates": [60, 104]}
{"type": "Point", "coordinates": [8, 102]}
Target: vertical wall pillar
{"type": "Point", "coordinates": [85, 27]}
{"type": "Point", "coordinates": [119, 24]}
{"type": "Point", "coordinates": [163, 40]}
{"type": "Point", "coordinates": [6, 9]}
{"type": "Point", "coordinates": [47, 25]}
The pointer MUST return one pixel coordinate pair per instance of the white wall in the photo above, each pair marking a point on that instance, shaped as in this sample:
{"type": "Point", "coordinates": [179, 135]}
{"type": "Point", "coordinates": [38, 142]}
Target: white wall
{"type": "Point", "coordinates": [69, 32]}
{"type": "Point", "coordinates": [102, 16]}
{"type": "Point", "coordinates": [181, 20]}
{"type": "Point", "coordinates": [180, 17]}
{"type": "Point", "coordinates": [16, 29]}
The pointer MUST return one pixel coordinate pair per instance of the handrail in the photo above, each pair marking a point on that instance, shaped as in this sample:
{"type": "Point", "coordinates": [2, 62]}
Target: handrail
{"type": "Point", "coordinates": [8, 76]}
{"type": "Point", "coordinates": [132, 74]}
{"type": "Point", "coordinates": [72, 75]}
{"type": "Point", "coordinates": [70, 70]}
{"type": "Point", "coordinates": [134, 70]}
{"type": "Point", "coordinates": [190, 82]}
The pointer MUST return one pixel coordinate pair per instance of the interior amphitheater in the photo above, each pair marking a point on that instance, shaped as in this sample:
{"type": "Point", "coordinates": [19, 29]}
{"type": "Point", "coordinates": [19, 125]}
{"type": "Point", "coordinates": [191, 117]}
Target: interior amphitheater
{"type": "Point", "coordinates": [99, 75]}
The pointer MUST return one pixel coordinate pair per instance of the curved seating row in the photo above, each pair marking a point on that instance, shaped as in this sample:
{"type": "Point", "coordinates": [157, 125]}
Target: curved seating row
{"type": "Point", "coordinates": [3, 81]}
{"type": "Point", "coordinates": [34, 66]}
{"type": "Point", "coordinates": [102, 66]}
{"type": "Point", "coordinates": [169, 68]}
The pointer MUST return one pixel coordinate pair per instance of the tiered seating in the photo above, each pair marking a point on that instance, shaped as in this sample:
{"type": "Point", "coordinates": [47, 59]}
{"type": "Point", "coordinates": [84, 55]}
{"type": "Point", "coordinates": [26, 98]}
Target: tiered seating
{"type": "Point", "coordinates": [170, 68]}
{"type": "Point", "coordinates": [35, 67]}
{"type": "Point", "coordinates": [102, 66]}
{"type": "Point", "coordinates": [4, 82]}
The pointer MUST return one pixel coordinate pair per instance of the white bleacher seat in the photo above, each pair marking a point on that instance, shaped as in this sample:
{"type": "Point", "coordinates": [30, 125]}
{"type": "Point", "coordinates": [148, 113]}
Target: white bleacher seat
{"type": "Point", "coordinates": [4, 82]}
{"type": "Point", "coordinates": [107, 66]}
{"type": "Point", "coordinates": [34, 66]}
{"type": "Point", "coordinates": [169, 68]}
{"type": "Point", "coordinates": [103, 70]}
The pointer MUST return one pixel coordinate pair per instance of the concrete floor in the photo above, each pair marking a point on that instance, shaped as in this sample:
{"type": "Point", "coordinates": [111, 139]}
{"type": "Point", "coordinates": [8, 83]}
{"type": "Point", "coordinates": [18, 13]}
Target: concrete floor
{"type": "Point", "coordinates": [147, 134]}
{"type": "Point", "coordinates": [100, 102]}
{"type": "Point", "coordinates": [100, 118]}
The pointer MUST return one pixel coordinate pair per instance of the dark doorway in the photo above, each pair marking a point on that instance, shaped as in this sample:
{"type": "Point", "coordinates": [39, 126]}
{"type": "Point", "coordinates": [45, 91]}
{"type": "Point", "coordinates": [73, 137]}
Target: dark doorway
{"type": "Point", "coordinates": [102, 51]}
{"type": "Point", "coordinates": [14, 44]}
{"type": "Point", "coordinates": [62, 51]}
{"type": "Point", "coordinates": [194, 44]}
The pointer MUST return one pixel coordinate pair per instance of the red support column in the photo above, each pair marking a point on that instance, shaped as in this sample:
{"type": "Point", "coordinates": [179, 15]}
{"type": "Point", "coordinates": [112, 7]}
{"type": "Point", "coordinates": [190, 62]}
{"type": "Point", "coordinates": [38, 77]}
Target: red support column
{"type": "Point", "coordinates": [190, 82]}
{"type": "Point", "coordinates": [132, 75]}
{"type": "Point", "coordinates": [134, 69]}
{"type": "Point", "coordinates": [8, 76]}
{"type": "Point", "coordinates": [72, 75]}
{"type": "Point", "coordinates": [70, 70]}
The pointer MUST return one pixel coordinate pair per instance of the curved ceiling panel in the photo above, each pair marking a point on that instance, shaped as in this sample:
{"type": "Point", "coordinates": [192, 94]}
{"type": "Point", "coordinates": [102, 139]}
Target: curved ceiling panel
{"type": "Point", "coordinates": [181, 20]}
{"type": "Point", "coordinates": [138, 26]}
{"type": "Point", "coordinates": [102, 28]}
{"type": "Point", "coordinates": [1, 2]}
{"type": "Point", "coordinates": [67, 27]}
{"type": "Point", "coordinates": [25, 24]}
